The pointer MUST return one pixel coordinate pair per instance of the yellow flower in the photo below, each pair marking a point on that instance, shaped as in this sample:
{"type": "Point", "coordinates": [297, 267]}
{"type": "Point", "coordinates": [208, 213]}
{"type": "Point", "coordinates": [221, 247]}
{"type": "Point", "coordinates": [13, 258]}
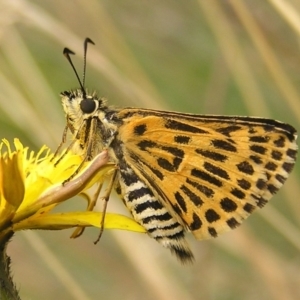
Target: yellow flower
{"type": "Point", "coordinates": [32, 185]}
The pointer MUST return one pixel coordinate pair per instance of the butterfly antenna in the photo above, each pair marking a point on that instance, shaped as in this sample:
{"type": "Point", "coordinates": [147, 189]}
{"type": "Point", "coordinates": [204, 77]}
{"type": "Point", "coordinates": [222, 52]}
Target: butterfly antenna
{"type": "Point", "coordinates": [67, 52]}
{"type": "Point", "coordinates": [86, 41]}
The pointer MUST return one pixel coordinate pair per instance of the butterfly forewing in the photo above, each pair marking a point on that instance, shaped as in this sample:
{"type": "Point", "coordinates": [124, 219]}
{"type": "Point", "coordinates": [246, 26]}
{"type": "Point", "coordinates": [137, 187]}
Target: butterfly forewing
{"type": "Point", "coordinates": [210, 171]}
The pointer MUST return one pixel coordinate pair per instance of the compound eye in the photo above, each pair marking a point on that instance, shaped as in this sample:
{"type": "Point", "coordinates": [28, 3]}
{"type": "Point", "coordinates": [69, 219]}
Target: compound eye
{"type": "Point", "coordinates": [87, 106]}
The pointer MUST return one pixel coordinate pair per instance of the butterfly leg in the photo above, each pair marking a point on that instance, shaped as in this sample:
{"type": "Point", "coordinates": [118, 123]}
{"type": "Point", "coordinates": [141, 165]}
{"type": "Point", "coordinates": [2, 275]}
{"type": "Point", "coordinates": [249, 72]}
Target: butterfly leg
{"type": "Point", "coordinates": [105, 199]}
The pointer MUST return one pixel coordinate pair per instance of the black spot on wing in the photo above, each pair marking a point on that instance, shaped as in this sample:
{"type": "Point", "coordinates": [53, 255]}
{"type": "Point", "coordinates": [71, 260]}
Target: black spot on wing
{"type": "Point", "coordinates": [292, 153]}
{"type": "Point", "coordinates": [143, 145]}
{"type": "Point", "coordinates": [165, 164]}
{"type": "Point", "coordinates": [174, 165]}
{"type": "Point", "coordinates": [288, 167]}
{"type": "Point", "coordinates": [260, 201]}
{"type": "Point", "coordinates": [229, 129]}
{"type": "Point", "coordinates": [271, 166]}
{"type": "Point", "coordinates": [179, 126]}
{"type": "Point", "coordinates": [268, 127]}
{"type": "Point", "coordinates": [212, 231]}
{"type": "Point", "coordinates": [277, 155]}
{"type": "Point", "coordinates": [182, 139]}
{"type": "Point", "coordinates": [258, 149]}
{"type": "Point", "coordinates": [180, 200]}
{"type": "Point", "coordinates": [216, 170]}
{"type": "Point", "coordinates": [245, 167]}
{"type": "Point", "coordinates": [272, 189]}
{"type": "Point", "coordinates": [196, 223]}
{"type": "Point", "coordinates": [206, 177]}
{"type": "Point", "coordinates": [232, 223]}
{"type": "Point", "coordinates": [140, 129]}
{"type": "Point", "coordinates": [280, 178]}
{"type": "Point", "coordinates": [228, 205]}
{"type": "Point", "coordinates": [224, 145]}
{"type": "Point", "coordinates": [261, 184]}
{"type": "Point", "coordinates": [208, 192]}
{"type": "Point", "coordinates": [256, 159]}
{"type": "Point", "coordinates": [244, 184]}
{"type": "Point", "coordinates": [192, 196]}
{"type": "Point", "coordinates": [280, 142]}
{"type": "Point", "coordinates": [259, 139]}
{"type": "Point", "coordinates": [238, 193]}
{"type": "Point", "coordinates": [174, 151]}
{"type": "Point", "coordinates": [212, 155]}
{"type": "Point", "coordinates": [249, 208]}
{"type": "Point", "coordinates": [252, 130]}
{"type": "Point", "coordinates": [212, 216]}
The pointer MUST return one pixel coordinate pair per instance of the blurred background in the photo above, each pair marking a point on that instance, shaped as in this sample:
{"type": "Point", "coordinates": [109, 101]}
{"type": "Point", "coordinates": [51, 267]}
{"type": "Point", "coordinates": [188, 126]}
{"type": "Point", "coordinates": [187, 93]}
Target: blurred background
{"type": "Point", "coordinates": [219, 57]}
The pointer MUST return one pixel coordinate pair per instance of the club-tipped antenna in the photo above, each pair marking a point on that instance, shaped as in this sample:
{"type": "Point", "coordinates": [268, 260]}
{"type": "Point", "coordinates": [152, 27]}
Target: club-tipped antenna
{"type": "Point", "coordinates": [85, 45]}
{"type": "Point", "coordinates": [67, 53]}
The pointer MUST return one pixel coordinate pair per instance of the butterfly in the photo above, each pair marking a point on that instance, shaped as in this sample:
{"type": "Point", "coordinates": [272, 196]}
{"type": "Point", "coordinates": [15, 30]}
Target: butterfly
{"type": "Point", "coordinates": [179, 172]}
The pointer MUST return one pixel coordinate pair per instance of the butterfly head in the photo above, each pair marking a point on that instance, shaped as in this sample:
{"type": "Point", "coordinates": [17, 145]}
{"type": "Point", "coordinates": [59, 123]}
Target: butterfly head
{"type": "Point", "coordinates": [80, 106]}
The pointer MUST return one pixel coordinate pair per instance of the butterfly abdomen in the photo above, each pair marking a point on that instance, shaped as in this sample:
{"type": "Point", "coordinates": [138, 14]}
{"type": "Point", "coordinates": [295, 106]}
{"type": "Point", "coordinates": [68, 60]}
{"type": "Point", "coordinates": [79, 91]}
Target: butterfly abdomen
{"type": "Point", "coordinates": [149, 212]}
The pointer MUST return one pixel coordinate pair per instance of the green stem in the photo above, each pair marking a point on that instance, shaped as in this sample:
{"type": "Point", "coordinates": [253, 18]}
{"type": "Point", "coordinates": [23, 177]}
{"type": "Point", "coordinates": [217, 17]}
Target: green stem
{"type": "Point", "coordinates": [8, 289]}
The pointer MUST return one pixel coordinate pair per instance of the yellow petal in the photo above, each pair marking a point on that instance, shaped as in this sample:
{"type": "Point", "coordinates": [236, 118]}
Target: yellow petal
{"type": "Point", "coordinates": [72, 219]}
{"type": "Point", "coordinates": [12, 180]}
